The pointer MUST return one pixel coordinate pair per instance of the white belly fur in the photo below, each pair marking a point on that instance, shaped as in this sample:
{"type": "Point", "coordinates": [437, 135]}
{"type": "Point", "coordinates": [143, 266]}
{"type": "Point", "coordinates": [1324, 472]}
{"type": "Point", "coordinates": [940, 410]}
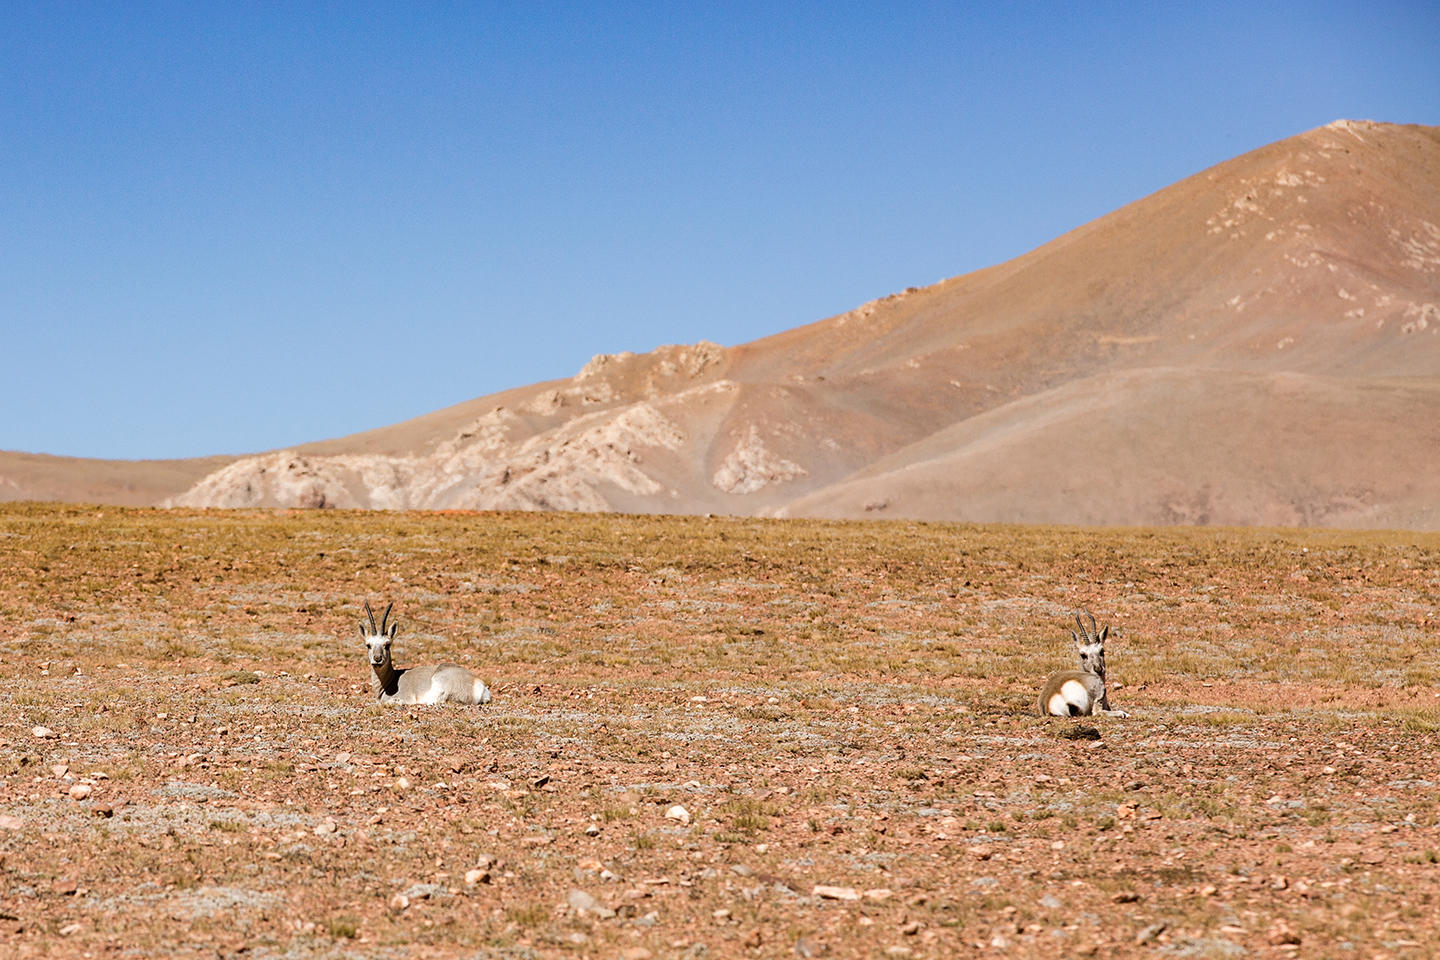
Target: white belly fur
{"type": "Point", "coordinates": [436, 694]}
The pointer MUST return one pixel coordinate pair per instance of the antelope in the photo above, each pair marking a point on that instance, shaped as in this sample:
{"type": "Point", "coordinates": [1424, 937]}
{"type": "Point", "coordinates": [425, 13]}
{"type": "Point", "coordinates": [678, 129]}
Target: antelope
{"type": "Point", "coordinates": [1081, 693]}
{"type": "Point", "coordinates": [448, 681]}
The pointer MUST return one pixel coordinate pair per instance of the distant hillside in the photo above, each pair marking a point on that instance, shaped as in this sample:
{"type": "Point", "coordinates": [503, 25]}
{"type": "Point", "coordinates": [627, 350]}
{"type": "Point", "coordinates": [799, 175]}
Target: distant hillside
{"type": "Point", "coordinates": [1257, 344]}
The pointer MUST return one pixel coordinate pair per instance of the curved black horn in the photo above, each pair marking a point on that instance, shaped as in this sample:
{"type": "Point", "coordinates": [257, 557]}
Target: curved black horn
{"type": "Point", "coordinates": [386, 617]}
{"type": "Point", "coordinates": [1081, 624]}
{"type": "Point", "coordinates": [1094, 631]}
{"type": "Point", "coordinates": [371, 614]}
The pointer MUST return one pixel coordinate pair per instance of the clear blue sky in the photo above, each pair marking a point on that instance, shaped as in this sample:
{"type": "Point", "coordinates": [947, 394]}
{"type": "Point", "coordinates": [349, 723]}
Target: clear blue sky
{"type": "Point", "coordinates": [228, 228]}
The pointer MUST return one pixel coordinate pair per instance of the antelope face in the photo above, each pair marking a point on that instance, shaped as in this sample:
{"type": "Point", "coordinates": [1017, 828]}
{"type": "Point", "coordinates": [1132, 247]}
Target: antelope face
{"type": "Point", "coordinates": [379, 647]}
{"type": "Point", "coordinates": [1092, 657]}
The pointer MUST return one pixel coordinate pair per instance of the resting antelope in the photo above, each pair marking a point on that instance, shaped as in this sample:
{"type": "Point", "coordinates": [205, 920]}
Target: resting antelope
{"type": "Point", "coordinates": [1081, 693]}
{"type": "Point", "coordinates": [448, 681]}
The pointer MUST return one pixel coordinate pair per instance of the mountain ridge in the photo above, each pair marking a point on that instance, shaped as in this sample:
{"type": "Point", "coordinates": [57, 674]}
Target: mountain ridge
{"type": "Point", "coordinates": [1316, 257]}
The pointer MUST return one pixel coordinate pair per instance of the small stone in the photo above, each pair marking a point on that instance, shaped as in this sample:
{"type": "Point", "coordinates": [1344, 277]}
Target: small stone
{"type": "Point", "coordinates": [399, 902]}
{"type": "Point", "coordinates": [582, 902]}
{"type": "Point", "coordinates": [1150, 933]}
{"type": "Point", "coordinates": [679, 813]}
{"type": "Point", "coordinates": [103, 810]}
{"type": "Point", "coordinates": [326, 827]}
{"type": "Point", "coordinates": [720, 915]}
{"type": "Point", "coordinates": [635, 953]}
{"type": "Point", "coordinates": [1209, 890]}
{"type": "Point", "coordinates": [42, 733]}
{"type": "Point", "coordinates": [592, 831]}
{"type": "Point", "coordinates": [64, 888]}
{"type": "Point", "coordinates": [879, 893]}
{"type": "Point", "coordinates": [899, 951]}
{"type": "Point", "coordinates": [1125, 896]}
{"type": "Point", "coordinates": [912, 928]}
{"type": "Point", "coordinates": [341, 757]}
{"type": "Point", "coordinates": [980, 853]}
{"type": "Point", "coordinates": [70, 929]}
{"type": "Point", "coordinates": [80, 791]}
{"type": "Point", "coordinates": [60, 769]}
{"type": "Point", "coordinates": [825, 892]}
{"type": "Point", "coordinates": [1282, 935]}
{"type": "Point", "coordinates": [402, 784]}
{"type": "Point", "coordinates": [608, 877]}
{"type": "Point", "coordinates": [472, 877]}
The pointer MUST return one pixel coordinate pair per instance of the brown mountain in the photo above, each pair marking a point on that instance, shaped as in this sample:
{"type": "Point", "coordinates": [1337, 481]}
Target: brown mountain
{"type": "Point", "coordinates": [1257, 344]}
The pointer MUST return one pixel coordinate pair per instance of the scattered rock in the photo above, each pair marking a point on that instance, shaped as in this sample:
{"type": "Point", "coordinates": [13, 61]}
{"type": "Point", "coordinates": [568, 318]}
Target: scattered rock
{"type": "Point", "coordinates": [1126, 896]}
{"type": "Point", "coordinates": [472, 877]}
{"type": "Point", "coordinates": [879, 894]}
{"type": "Point", "coordinates": [582, 902]}
{"type": "Point", "coordinates": [326, 827]}
{"type": "Point", "coordinates": [679, 813]}
{"type": "Point", "coordinates": [60, 769]}
{"type": "Point", "coordinates": [1150, 933]}
{"type": "Point", "coordinates": [399, 902]}
{"type": "Point", "coordinates": [80, 791]}
{"type": "Point", "coordinates": [825, 892]}
{"type": "Point", "coordinates": [1283, 935]}
{"type": "Point", "coordinates": [42, 733]}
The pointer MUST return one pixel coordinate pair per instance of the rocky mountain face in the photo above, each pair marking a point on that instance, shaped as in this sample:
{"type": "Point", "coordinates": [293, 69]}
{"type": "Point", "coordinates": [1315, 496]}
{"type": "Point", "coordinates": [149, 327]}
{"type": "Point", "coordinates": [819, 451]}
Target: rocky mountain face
{"type": "Point", "coordinates": [1257, 344]}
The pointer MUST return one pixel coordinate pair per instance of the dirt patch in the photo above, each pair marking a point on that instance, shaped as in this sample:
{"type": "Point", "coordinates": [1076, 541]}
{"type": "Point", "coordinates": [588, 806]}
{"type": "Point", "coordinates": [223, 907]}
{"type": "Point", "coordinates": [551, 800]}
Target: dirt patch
{"type": "Point", "coordinates": [841, 710]}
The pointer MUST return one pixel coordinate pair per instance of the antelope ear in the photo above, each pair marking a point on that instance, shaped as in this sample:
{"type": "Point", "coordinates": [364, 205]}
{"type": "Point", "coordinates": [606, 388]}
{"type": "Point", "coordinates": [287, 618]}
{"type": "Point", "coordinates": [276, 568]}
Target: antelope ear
{"type": "Point", "coordinates": [362, 631]}
{"type": "Point", "coordinates": [1104, 632]}
{"type": "Point", "coordinates": [1076, 637]}
{"type": "Point", "coordinates": [393, 627]}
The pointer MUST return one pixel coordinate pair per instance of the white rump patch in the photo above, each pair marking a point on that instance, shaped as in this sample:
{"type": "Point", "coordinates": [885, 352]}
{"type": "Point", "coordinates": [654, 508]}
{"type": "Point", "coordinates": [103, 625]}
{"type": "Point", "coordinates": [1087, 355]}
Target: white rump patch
{"type": "Point", "coordinates": [1071, 693]}
{"type": "Point", "coordinates": [436, 693]}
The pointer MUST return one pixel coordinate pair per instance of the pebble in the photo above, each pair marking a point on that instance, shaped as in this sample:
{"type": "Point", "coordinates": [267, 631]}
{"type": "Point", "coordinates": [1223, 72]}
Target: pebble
{"type": "Point", "coordinates": [42, 733]}
{"type": "Point", "coordinates": [826, 892]}
{"type": "Point", "coordinates": [635, 953]}
{"type": "Point", "coordinates": [60, 769]}
{"type": "Point", "coordinates": [326, 826]}
{"type": "Point", "coordinates": [80, 791]}
{"type": "Point", "coordinates": [475, 876]}
{"type": "Point", "coordinates": [399, 902]}
{"type": "Point", "coordinates": [1150, 933]}
{"type": "Point", "coordinates": [582, 902]}
{"type": "Point", "coordinates": [679, 813]}
{"type": "Point", "coordinates": [879, 893]}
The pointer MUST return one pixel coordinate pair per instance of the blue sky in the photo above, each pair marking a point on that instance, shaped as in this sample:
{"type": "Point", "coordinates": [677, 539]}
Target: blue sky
{"type": "Point", "coordinates": [229, 228]}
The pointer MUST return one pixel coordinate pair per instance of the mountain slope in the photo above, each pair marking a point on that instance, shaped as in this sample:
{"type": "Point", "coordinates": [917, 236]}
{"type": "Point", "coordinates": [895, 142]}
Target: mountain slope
{"type": "Point", "coordinates": [1277, 314]}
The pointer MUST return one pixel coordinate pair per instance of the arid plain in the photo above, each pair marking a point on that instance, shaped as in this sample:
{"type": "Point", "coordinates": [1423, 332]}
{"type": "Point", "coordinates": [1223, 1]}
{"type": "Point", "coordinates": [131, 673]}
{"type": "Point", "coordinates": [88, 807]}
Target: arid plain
{"type": "Point", "coordinates": [193, 764]}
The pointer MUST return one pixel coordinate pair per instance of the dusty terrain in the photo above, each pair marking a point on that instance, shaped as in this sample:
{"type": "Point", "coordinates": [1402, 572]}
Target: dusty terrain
{"type": "Point", "coordinates": [1256, 344]}
{"type": "Point", "coordinates": [192, 763]}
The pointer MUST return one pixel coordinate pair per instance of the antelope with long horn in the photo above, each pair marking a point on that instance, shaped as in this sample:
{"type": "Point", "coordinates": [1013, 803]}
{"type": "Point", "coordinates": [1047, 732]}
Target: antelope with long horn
{"type": "Point", "coordinates": [447, 681]}
{"type": "Point", "coordinates": [1081, 693]}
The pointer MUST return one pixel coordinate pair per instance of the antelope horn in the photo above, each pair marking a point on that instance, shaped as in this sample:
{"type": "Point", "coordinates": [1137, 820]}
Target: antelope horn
{"type": "Point", "coordinates": [1094, 630]}
{"type": "Point", "coordinates": [371, 614]}
{"type": "Point", "coordinates": [1081, 624]}
{"type": "Point", "coordinates": [386, 617]}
